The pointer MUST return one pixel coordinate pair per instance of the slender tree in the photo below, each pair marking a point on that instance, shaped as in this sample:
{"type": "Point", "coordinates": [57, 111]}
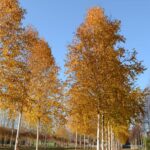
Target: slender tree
{"type": "Point", "coordinates": [44, 87]}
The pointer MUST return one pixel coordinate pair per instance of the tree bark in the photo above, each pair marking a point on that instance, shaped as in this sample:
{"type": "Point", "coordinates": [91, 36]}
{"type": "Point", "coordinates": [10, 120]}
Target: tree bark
{"type": "Point", "coordinates": [18, 131]}
{"type": "Point", "coordinates": [84, 141]}
{"type": "Point", "coordinates": [109, 136]}
{"type": "Point", "coordinates": [37, 135]}
{"type": "Point", "coordinates": [98, 131]}
{"type": "Point", "coordinates": [76, 144]}
{"type": "Point", "coordinates": [5, 140]}
{"type": "Point", "coordinates": [12, 133]}
{"type": "Point", "coordinates": [45, 142]}
{"type": "Point", "coordinates": [111, 139]}
{"type": "Point", "coordinates": [93, 143]}
{"type": "Point", "coordinates": [80, 141]}
{"type": "Point", "coordinates": [88, 142]}
{"type": "Point", "coordinates": [102, 145]}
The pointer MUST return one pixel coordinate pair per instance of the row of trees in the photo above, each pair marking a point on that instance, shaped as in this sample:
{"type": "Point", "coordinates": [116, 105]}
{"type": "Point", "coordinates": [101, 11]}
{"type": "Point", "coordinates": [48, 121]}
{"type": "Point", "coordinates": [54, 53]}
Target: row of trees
{"type": "Point", "coordinates": [103, 96]}
{"type": "Point", "coordinates": [29, 83]}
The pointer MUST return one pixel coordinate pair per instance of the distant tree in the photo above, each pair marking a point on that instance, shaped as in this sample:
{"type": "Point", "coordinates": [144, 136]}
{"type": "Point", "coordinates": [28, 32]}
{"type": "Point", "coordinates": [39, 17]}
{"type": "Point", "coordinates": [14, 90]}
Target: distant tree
{"type": "Point", "coordinates": [44, 87]}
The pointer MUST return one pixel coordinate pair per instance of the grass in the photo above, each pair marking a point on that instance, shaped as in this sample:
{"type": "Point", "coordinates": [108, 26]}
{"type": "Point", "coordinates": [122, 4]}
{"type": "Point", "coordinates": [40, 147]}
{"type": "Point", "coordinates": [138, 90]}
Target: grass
{"type": "Point", "coordinates": [31, 148]}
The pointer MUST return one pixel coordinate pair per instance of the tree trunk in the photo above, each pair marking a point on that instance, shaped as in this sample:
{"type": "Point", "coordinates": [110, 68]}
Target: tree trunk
{"type": "Point", "coordinates": [45, 142]}
{"type": "Point", "coordinates": [37, 135]}
{"type": "Point", "coordinates": [18, 131]}
{"type": "Point", "coordinates": [109, 136]}
{"type": "Point", "coordinates": [76, 144]}
{"type": "Point", "coordinates": [107, 129]}
{"type": "Point", "coordinates": [111, 139]}
{"type": "Point", "coordinates": [88, 142]}
{"type": "Point", "coordinates": [116, 143]}
{"type": "Point", "coordinates": [80, 141]}
{"type": "Point", "coordinates": [12, 133]}
{"type": "Point", "coordinates": [11, 138]}
{"type": "Point", "coordinates": [102, 145]}
{"type": "Point", "coordinates": [5, 140]}
{"type": "Point", "coordinates": [84, 141]}
{"type": "Point", "coordinates": [93, 145]}
{"type": "Point", "coordinates": [98, 131]}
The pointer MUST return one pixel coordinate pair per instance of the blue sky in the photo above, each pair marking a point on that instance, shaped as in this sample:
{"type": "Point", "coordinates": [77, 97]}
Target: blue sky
{"type": "Point", "coordinates": [57, 21]}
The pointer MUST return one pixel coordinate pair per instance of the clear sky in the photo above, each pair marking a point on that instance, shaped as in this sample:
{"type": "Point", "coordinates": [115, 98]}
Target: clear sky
{"type": "Point", "coordinates": [57, 20]}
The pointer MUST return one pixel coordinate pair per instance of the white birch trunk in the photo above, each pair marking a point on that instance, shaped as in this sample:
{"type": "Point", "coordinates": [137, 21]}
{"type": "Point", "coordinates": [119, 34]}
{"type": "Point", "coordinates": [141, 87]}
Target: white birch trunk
{"type": "Point", "coordinates": [145, 145]}
{"type": "Point", "coordinates": [37, 135]}
{"type": "Point", "coordinates": [98, 131]}
{"type": "Point", "coordinates": [116, 143]}
{"type": "Point", "coordinates": [45, 142]}
{"type": "Point", "coordinates": [107, 137]}
{"type": "Point", "coordinates": [88, 142]}
{"type": "Point", "coordinates": [80, 141]}
{"type": "Point", "coordinates": [76, 144]}
{"type": "Point", "coordinates": [84, 141]}
{"type": "Point", "coordinates": [18, 130]}
{"type": "Point", "coordinates": [5, 139]}
{"type": "Point", "coordinates": [11, 138]}
{"type": "Point", "coordinates": [112, 139]}
{"type": "Point", "coordinates": [12, 133]}
{"type": "Point", "coordinates": [93, 144]}
{"type": "Point", "coordinates": [108, 141]}
{"type": "Point", "coordinates": [102, 145]}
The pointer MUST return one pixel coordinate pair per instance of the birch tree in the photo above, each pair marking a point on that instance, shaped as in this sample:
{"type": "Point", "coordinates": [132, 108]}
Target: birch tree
{"type": "Point", "coordinates": [13, 69]}
{"type": "Point", "coordinates": [44, 87]}
{"type": "Point", "coordinates": [103, 71]}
